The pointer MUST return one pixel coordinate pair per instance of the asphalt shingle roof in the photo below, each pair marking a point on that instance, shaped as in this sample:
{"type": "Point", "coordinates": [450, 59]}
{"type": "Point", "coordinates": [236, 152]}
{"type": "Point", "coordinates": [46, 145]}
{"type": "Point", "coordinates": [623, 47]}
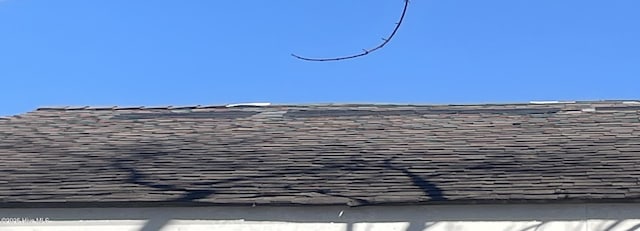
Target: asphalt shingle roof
{"type": "Point", "coordinates": [323, 154]}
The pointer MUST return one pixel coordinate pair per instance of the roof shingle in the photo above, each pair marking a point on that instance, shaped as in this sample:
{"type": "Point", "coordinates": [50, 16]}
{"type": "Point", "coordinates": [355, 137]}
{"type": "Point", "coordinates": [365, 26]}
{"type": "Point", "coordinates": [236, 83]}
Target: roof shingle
{"type": "Point", "coordinates": [323, 154]}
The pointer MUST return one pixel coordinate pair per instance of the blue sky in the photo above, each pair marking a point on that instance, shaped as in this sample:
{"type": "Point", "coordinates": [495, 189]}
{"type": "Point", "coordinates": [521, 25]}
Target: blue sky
{"type": "Point", "coordinates": [203, 52]}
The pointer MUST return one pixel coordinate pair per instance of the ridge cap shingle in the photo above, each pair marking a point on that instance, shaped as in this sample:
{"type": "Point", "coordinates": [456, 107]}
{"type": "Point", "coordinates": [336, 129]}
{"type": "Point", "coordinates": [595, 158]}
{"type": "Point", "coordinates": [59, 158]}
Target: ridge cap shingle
{"type": "Point", "coordinates": [562, 105]}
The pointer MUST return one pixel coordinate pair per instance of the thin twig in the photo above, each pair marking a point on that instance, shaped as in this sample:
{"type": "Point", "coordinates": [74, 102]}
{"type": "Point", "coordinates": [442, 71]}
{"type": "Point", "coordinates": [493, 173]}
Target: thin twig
{"type": "Point", "coordinates": [365, 51]}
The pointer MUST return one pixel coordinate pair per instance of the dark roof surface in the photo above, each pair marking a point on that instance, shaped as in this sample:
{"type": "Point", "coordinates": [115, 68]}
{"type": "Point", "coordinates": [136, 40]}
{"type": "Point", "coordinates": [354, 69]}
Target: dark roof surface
{"type": "Point", "coordinates": [323, 154]}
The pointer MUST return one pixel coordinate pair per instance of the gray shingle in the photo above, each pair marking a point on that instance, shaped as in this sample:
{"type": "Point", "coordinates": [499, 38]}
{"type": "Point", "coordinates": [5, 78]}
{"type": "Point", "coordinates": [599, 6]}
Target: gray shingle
{"type": "Point", "coordinates": [323, 154]}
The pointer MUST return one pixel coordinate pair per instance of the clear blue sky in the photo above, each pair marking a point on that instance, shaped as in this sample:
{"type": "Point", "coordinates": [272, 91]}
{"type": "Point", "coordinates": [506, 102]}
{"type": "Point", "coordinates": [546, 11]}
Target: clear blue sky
{"type": "Point", "coordinates": [161, 52]}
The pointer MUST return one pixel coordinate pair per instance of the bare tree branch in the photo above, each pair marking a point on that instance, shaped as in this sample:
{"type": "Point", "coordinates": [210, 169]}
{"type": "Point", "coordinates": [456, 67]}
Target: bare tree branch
{"type": "Point", "coordinates": [365, 51]}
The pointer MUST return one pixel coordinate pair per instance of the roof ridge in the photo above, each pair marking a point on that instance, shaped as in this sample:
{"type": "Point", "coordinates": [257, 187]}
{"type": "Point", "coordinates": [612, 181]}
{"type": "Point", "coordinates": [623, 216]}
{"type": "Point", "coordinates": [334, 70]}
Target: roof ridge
{"type": "Point", "coordinates": [169, 107]}
{"type": "Point", "coordinates": [355, 104]}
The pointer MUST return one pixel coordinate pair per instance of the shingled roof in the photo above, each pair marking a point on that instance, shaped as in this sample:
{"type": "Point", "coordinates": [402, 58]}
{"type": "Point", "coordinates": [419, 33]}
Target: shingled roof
{"type": "Point", "coordinates": [322, 154]}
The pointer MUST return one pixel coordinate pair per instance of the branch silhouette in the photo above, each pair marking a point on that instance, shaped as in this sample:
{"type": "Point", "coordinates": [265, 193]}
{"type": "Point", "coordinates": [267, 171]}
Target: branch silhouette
{"type": "Point", "coordinates": [365, 51]}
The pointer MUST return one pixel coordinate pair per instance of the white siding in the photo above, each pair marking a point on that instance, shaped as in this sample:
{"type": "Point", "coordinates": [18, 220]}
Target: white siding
{"type": "Point", "coordinates": [561, 217]}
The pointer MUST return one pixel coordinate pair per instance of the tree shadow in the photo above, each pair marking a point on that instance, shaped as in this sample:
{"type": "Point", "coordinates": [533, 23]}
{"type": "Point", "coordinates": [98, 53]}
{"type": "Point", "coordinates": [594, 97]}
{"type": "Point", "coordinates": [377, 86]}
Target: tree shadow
{"type": "Point", "coordinates": [430, 189]}
{"type": "Point", "coordinates": [135, 160]}
{"type": "Point", "coordinates": [128, 159]}
{"type": "Point", "coordinates": [634, 228]}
